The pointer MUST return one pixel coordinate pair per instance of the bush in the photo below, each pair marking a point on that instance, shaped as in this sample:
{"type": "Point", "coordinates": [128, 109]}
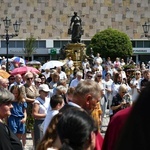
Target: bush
{"type": "Point", "coordinates": [111, 43]}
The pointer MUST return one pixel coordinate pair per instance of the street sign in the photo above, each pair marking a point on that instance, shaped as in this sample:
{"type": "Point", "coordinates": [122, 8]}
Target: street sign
{"type": "Point", "coordinates": [53, 51]}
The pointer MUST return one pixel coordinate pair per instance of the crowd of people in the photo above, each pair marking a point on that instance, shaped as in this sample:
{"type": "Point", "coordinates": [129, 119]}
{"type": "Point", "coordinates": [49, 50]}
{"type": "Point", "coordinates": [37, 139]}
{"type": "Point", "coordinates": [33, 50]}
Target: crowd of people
{"type": "Point", "coordinates": [64, 111]}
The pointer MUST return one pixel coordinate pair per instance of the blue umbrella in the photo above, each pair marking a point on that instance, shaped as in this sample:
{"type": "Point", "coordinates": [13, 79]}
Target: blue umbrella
{"type": "Point", "coordinates": [18, 60]}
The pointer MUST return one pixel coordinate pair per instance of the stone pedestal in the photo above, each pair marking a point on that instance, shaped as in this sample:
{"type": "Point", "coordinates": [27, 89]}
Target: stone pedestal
{"type": "Point", "coordinates": [77, 51]}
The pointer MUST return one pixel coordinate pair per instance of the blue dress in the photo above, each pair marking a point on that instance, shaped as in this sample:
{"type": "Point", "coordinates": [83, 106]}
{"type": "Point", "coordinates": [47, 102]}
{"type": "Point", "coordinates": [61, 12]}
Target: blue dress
{"type": "Point", "coordinates": [17, 114]}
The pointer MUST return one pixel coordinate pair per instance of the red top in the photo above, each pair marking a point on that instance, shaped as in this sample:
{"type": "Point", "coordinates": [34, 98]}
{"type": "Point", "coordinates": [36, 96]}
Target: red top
{"type": "Point", "coordinates": [114, 127]}
{"type": "Point", "coordinates": [99, 141]}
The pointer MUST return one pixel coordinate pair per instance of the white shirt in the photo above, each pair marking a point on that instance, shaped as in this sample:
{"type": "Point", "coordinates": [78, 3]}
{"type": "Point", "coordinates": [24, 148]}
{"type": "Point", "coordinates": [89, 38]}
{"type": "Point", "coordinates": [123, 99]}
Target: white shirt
{"type": "Point", "coordinates": [74, 104]}
{"type": "Point", "coordinates": [43, 105]}
{"type": "Point", "coordinates": [75, 82]}
{"type": "Point", "coordinates": [70, 63]}
{"type": "Point", "coordinates": [84, 64]}
{"type": "Point", "coordinates": [50, 114]}
{"type": "Point", "coordinates": [99, 67]}
{"type": "Point", "coordinates": [98, 60]}
{"type": "Point", "coordinates": [62, 75]}
{"type": "Point", "coordinates": [115, 88]}
{"type": "Point", "coordinates": [139, 84]}
{"type": "Point", "coordinates": [108, 84]}
{"type": "Point", "coordinates": [134, 92]}
{"type": "Point", "coordinates": [123, 74]}
{"type": "Point", "coordinates": [11, 67]}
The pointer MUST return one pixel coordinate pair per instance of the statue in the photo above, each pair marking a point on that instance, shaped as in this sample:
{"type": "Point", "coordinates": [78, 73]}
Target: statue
{"type": "Point", "coordinates": [76, 29]}
{"type": "Point", "coordinates": [91, 57]}
{"type": "Point", "coordinates": [62, 52]}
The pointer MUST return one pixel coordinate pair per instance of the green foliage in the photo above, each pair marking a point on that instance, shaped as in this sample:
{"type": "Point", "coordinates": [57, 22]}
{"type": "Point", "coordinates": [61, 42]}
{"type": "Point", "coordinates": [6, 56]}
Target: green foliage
{"type": "Point", "coordinates": [29, 46]}
{"type": "Point", "coordinates": [111, 42]}
{"type": "Point", "coordinates": [130, 66]}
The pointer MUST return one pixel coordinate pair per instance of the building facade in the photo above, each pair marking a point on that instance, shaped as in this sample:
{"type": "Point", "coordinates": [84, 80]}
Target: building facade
{"type": "Point", "coordinates": [49, 20]}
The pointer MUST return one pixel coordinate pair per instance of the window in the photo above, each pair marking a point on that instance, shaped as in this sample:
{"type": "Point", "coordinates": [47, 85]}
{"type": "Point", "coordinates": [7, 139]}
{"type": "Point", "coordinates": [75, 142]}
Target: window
{"type": "Point", "coordinates": [42, 44]}
{"type": "Point", "coordinates": [64, 43]}
{"type": "Point", "coordinates": [57, 44]}
{"type": "Point", "coordinates": [19, 44]}
{"type": "Point", "coordinates": [36, 44]}
{"type": "Point", "coordinates": [133, 43]}
{"type": "Point", "coordinates": [60, 44]}
{"type": "Point", "coordinates": [147, 44]}
{"type": "Point", "coordinates": [3, 44]}
{"type": "Point", "coordinates": [12, 44]}
{"type": "Point", "coordinates": [140, 44]}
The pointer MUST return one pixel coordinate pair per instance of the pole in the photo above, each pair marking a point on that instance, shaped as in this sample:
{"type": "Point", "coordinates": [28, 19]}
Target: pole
{"type": "Point", "coordinates": [7, 44]}
{"type": "Point", "coordinates": [7, 36]}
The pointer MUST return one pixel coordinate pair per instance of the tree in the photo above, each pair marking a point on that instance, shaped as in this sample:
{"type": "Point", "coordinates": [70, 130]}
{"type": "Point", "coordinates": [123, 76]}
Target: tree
{"type": "Point", "coordinates": [111, 42]}
{"type": "Point", "coordinates": [29, 47]}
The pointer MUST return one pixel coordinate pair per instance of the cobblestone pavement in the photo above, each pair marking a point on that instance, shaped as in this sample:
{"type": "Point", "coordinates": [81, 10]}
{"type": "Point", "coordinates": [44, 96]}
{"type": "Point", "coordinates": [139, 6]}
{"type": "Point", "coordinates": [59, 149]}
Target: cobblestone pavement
{"type": "Point", "coordinates": [104, 125]}
{"type": "Point", "coordinates": [29, 143]}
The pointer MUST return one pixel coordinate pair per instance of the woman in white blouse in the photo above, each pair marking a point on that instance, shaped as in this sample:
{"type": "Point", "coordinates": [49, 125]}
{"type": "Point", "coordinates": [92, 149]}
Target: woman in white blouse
{"type": "Point", "coordinates": [40, 108]}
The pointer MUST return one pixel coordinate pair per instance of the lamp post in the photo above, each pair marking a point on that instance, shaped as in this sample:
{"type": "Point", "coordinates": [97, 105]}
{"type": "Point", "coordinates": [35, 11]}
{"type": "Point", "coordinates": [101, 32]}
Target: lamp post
{"type": "Point", "coordinates": [146, 28]}
{"type": "Point", "coordinates": [7, 36]}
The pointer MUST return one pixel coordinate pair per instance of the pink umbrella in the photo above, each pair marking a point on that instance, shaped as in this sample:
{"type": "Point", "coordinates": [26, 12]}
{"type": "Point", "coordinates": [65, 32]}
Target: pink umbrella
{"type": "Point", "coordinates": [24, 69]}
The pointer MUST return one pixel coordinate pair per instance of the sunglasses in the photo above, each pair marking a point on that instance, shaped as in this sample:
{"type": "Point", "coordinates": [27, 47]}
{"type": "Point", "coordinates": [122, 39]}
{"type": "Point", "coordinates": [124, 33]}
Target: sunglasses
{"type": "Point", "coordinates": [89, 76]}
{"type": "Point", "coordinates": [137, 73]}
{"type": "Point", "coordinates": [38, 82]}
{"type": "Point", "coordinates": [45, 92]}
{"type": "Point", "coordinates": [12, 78]}
{"type": "Point", "coordinates": [29, 78]}
{"type": "Point", "coordinates": [124, 92]}
{"type": "Point", "coordinates": [99, 76]}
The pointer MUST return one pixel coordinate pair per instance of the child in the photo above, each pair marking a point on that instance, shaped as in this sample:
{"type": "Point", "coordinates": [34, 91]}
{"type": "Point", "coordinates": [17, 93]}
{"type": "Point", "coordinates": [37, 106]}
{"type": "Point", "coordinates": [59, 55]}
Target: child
{"type": "Point", "coordinates": [17, 119]}
{"type": "Point", "coordinates": [56, 103]}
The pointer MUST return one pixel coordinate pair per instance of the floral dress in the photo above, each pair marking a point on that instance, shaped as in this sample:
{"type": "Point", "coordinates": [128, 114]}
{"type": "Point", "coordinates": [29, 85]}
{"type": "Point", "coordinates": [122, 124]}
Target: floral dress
{"type": "Point", "coordinates": [33, 94]}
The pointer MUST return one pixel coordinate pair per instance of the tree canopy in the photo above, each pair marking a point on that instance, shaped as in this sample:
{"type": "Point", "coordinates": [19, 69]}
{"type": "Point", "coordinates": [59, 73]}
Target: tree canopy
{"type": "Point", "coordinates": [111, 42]}
{"type": "Point", "coordinates": [29, 46]}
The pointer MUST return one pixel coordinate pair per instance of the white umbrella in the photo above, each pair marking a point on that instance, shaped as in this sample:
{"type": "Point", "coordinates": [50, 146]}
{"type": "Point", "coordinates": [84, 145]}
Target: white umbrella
{"type": "Point", "coordinates": [52, 64]}
{"type": "Point", "coordinates": [5, 60]}
{"type": "Point", "coordinates": [33, 62]}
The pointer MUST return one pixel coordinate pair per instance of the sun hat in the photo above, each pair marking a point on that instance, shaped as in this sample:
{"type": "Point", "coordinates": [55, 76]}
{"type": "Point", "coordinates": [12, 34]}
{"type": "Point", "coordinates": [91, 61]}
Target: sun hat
{"type": "Point", "coordinates": [44, 87]}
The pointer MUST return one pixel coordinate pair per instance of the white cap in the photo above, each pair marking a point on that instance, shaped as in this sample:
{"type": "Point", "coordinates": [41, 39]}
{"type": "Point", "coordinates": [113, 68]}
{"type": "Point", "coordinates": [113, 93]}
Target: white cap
{"type": "Point", "coordinates": [3, 66]}
{"type": "Point", "coordinates": [44, 87]}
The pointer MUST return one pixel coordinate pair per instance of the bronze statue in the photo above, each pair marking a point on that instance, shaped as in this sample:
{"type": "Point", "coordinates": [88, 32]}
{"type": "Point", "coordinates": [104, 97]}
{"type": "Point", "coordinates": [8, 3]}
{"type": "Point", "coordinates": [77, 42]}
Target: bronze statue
{"type": "Point", "coordinates": [76, 29]}
{"type": "Point", "coordinates": [91, 57]}
{"type": "Point", "coordinates": [62, 52]}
